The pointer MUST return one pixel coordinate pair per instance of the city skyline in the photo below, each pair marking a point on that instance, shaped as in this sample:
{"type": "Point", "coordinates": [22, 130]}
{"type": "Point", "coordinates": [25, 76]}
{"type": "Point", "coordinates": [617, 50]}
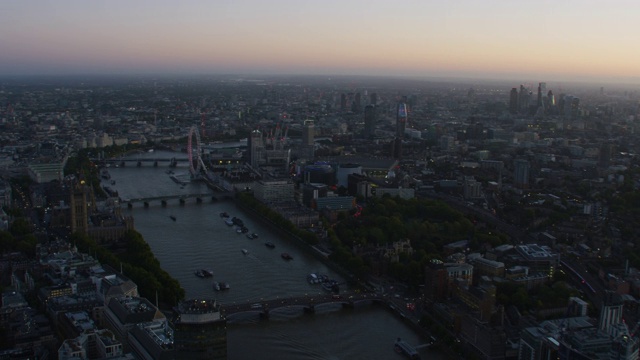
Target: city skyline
{"type": "Point", "coordinates": [589, 41]}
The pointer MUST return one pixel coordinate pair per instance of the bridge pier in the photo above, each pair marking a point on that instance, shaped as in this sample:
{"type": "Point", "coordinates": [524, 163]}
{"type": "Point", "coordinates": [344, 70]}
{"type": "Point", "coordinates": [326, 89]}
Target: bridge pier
{"type": "Point", "coordinates": [264, 314]}
{"type": "Point", "coordinates": [146, 204]}
{"type": "Point", "coordinates": [182, 201]}
{"type": "Point", "coordinates": [310, 309]}
{"type": "Point", "coordinates": [199, 200]}
{"type": "Point", "coordinates": [348, 305]}
{"type": "Point", "coordinates": [155, 163]}
{"type": "Point", "coordinates": [139, 164]}
{"type": "Point", "coordinates": [122, 163]}
{"type": "Point", "coordinates": [164, 203]}
{"type": "Point", "coordinates": [214, 199]}
{"type": "Point", "coordinates": [129, 205]}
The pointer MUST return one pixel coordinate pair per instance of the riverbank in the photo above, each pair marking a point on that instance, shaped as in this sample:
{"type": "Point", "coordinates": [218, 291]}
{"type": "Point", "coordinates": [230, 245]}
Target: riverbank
{"type": "Point", "coordinates": [320, 255]}
{"type": "Point", "coordinates": [397, 308]}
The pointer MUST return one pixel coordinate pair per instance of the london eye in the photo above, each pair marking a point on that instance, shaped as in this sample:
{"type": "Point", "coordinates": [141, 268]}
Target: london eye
{"type": "Point", "coordinates": [196, 164]}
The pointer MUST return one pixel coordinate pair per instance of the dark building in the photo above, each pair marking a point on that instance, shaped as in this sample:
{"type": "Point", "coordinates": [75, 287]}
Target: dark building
{"type": "Point", "coordinates": [307, 148]}
{"type": "Point", "coordinates": [396, 148]}
{"type": "Point", "coordinates": [313, 191]}
{"type": "Point", "coordinates": [436, 281]}
{"type": "Point", "coordinates": [355, 181]}
{"type": "Point", "coordinates": [319, 173]}
{"type": "Point", "coordinates": [124, 312]}
{"type": "Point", "coordinates": [255, 148]}
{"type": "Point", "coordinates": [542, 91]}
{"type": "Point", "coordinates": [373, 99]}
{"type": "Point", "coordinates": [357, 103]}
{"type": "Point", "coordinates": [369, 121]}
{"type": "Point", "coordinates": [199, 330]}
{"type": "Point", "coordinates": [513, 101]}
{"type": "Point", "coordinates": [606, 151]}
{"type": "Point", "coordinates": [401, 119]}
{"type": "Point", "coordinates": [524, 97]}
{"type": "Point", "coordinates": [521, 173]}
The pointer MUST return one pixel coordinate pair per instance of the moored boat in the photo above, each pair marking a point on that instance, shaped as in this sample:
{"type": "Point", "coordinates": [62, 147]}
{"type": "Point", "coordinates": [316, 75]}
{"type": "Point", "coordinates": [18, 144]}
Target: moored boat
{"type": "Point", "coordinates": [331, 286]}
{"type": "Point", "coordinates": [313, 279]}
{"type": "Point", "coordinates": [220, 286]}
{"type": "Point", "coordinates": [245, 251]}
{"type": "Point", "coordinates": [172, 217]}
{"type": "Point", "coordinates": [269, 244]}
{"type": "Point", "coordinates": [403, 347]}
{"type": "Point", "coordinates": [224, 214]}
{"type": "Point", "coordinates": [286, 256]}
{"type": "Point", "coordinates": [203, 273]}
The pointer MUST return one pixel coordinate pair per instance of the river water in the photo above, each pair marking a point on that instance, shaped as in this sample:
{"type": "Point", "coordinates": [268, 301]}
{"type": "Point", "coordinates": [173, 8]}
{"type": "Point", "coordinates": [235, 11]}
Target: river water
{"type": "Point", "coordinates": [199, 239]}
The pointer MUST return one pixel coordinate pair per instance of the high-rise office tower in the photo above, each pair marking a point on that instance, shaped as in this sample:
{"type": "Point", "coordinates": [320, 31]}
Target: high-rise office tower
{"type": "Point", "coordinates": [551, 103]}
{"type": "Point", "coordinates": [373, 99]}
{"type": "Point", "coordinates": [611, 312]}
{"type": "Point", "coordinates": [199, 330]}
{"type": "Point", "coordinates": [357, 103]}
{"type": "Point", "coordinates": [401, 119]}
{"type": "Point", "coordinates": [513, 101]}
{"type": "Point", "coordinates": [523, 99]}
{"type": "Point", "coordinates": [343, 102]}
{"type": "Point", "coordinates": [551, 97]}
{"type": "Point", "coordinates": [542, 92]}
{"type": "Point", "coordinates": [369, 121]}
{"type": "Point", "coordinates": [308, 133]}
{"type": "Point", "coordinates": [256, 148]}
{"type": "Point", "coordinates": [521, 173]}
{"type": "Point", "coordinates": [575, 107]}
{"type": "Point", "coordinates": [567, 102]}
{"type": "Point", "coordinates": [308, 141]}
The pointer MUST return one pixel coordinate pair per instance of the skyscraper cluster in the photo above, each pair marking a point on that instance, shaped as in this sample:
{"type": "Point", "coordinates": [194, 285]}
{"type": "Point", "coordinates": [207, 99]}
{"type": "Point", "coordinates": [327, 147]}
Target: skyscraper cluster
{"type": "Point", "coordinates": [522, 101]}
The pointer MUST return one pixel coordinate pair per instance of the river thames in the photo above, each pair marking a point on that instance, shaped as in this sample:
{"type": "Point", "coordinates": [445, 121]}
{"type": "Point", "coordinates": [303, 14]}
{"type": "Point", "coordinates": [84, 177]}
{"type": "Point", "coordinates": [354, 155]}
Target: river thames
{"type": "Point", "coordinates": [198, 238]}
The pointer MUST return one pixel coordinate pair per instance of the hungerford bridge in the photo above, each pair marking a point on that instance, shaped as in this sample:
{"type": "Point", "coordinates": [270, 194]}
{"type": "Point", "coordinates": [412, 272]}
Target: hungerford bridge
{"type": "Point", "coordinates": [195, 158]}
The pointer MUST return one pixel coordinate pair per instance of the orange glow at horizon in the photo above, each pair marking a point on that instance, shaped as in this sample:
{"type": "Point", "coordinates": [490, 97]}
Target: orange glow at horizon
{"type": "Point", "coordinates": [577, 39]}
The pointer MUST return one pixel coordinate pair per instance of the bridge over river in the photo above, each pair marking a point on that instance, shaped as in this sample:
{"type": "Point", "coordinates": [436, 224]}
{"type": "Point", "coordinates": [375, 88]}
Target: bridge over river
{"type": "Point", "coordinates": [182, 198]}
{"type": "Point", "coordinates": [217, 162]}
{"type": "Point", "coordinates": [306, 302]}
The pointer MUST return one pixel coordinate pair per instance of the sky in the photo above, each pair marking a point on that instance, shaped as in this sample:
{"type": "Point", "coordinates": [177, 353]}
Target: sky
{"type": "Point", "coordinates": [539, 40]}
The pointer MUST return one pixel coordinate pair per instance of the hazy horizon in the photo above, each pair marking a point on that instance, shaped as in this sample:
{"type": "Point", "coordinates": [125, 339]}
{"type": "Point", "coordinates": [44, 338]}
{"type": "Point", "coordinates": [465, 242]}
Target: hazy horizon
{"type": "Point", "coordinates": [576, 41]}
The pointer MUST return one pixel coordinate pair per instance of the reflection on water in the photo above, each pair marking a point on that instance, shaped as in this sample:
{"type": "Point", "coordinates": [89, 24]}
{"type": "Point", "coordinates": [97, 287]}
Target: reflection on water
{"type": "Point", "coordinates": [199, 239]}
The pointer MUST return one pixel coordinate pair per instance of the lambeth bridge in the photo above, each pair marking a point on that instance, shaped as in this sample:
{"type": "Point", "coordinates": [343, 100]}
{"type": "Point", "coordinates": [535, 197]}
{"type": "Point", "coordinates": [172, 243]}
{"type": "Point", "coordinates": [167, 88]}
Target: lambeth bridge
{"type": "Point", "coordinates": [307, 303]}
